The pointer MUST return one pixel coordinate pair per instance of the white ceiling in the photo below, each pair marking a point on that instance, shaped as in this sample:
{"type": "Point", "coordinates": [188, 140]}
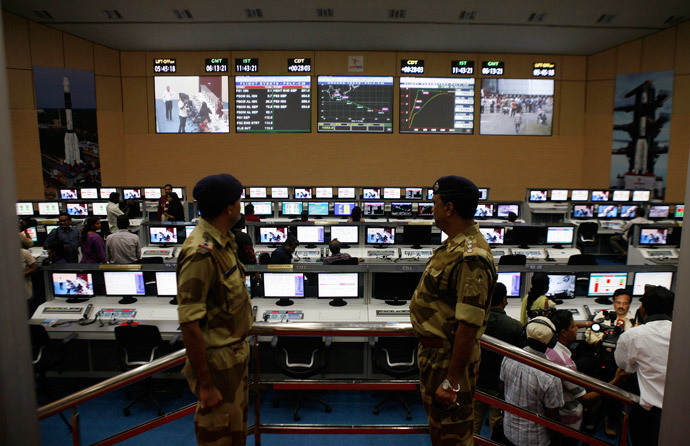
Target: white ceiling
{"type": "Point", "coordinates": [567, 26]}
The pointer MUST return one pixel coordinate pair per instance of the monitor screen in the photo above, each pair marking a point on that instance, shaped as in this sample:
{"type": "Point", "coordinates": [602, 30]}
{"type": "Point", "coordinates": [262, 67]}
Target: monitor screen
{"type": "Point", "coordinates": [166, 283]}
{"type": "Point", "coordinates": [621, 195]}
{"type": "Point", "coordinates": [318, 208]}
{"type": "Point", "coordinates": [302, 192]}
{"type": "Point", "coordinates": [72, 284]}
{"type": "Point", "coordinates": [653, 236]}
{"type": "Point", "coordinates": [583, 211]}
{"type": "Point", "coordinates": [31, 233]}
{"type": "Point", "coordinates": [273, 235]}
{"type": "Point", "coordinates": [561, 285]}
{"type": "Point", "coordinates": [660, 211]}
{"type": "Point", "coordinates": [263, 207]}
{"type": "Point", "coordinates": [525, 235]}
{"type": "Point", "coordinates": [560, 235]}
{"type": "Point", "coordinates": [69, 194]}
{"type": "Point", "coordinates": [495, 236]}
{"type": "Point", "coordinates": [628, 211]}
{"type": "Point", "coordinates": [310, 234]}
{"type": "Point", "coordinates": [48, 208]}
{"type": "Point", "coordinates": [346, 192]}
{"type": "Point", "coordinates": [380, 236]}
{"type": "Point", "coordinates": [520, 107]}
{"type": "Point", "coordinates": [600, 195]}
{"type": "Point", "coordinates": [50, 228]}
{"type": "Point", "coordinates": [538, 195]}
{"type": "Point", "coordinates": [413, 193]}
{"type": "Point", "coordinates": [641, 195]}
{"type": "Point", "coordinates": [283, 284]}
{"type": "Point", "coordinates": [338, 284]}
{"type": "Point", "coordinates": [202, 100]}
{"type": "Point", "coordinates": [444, 236]}
{"type": "Point", "coordinates": [355, 104]}
{"type": "Point", "coordinates": [89, 193]}
{"type": "Point", "coordinates": [323, 192]}
{"type": "Point", "coordinates": [512, 283]}
{"type": "Point", "coordinates": [607, 211]}
{"type": "Point", "coordinates": [342, 209]}
{"type": "Point", "coordinates": [152, 193]}
{"type": "Point", "coordinates": [505, 209]}
{"type": "Point", "coordinates": [124, 283]}
{"type": "Point", "coordinates": [391, 193]}
{"type": "Point", "coordinates": [559, 194]}
{"type": "Point", "coordinates": [273, 104]}
{"type": "Point", "coordinates": [279, 192]}
{"type": "Point", "coordinates": [401, 209]}
{"type": "Point", "coordinates": [100, 208]}
{"type": "Point", "coordinates": [371, 192]}
{"type": "Point", "coordinates": [291, 208]}
{"type": "Point", "coordinates": [483, 193]}
{"type": "Point", "coordinates": [25, 208]}
{"type": "Point", "coordinates": [345, 234]}
{"type": "Point", "coordinates": [257, 192]}
{"type": "Point", "coordinates": [160, 235]}
{"type": "Point", "coordinates": [417, 235]}
{"type": "Point", "coordinates": [179, 192]}
{"type": "Point", "coordinates": [484, 211]}
{"type": "Point", "coordinates": [106, 191]}
{"type": "Point", "coordinates": [579, 195]}
{"type": "Point", "coordinates": [189, 228]}
{"type": "Point", "coordinates": [131, 194]}
{"type": "Point", "coordinates": [605, 284]}
{"type": "Point", "coordinates": [436, 105]}
{"type": "Point", "coordinates": [679, 211]}
{"type": "Point", "coordinates": [373, 209]}
{"type": "Point", "coordinates": [77, 209]}
{"type": "Point", "coordinates": [430, 194]}
{"type": "Point", "coordinates": [425, 209]}
{"type": "Point", "coordinates": [640, 280]}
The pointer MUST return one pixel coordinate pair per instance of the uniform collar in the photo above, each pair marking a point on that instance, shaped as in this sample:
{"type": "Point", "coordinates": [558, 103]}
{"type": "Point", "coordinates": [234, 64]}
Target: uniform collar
{"type": "Point", "coordinates": [214, 233]}
{"type": "Point", "coordinates": [462, 237]}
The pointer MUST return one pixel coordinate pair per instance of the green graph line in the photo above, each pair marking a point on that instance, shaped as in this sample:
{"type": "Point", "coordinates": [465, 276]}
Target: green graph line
{"type": "Point", "coordinates": [361, 105]}
{"type": "Point", "coordinates": [413, 113]}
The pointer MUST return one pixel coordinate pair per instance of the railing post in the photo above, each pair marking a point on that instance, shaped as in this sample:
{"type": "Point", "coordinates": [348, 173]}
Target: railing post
{"type": "Point", "coordinates": [76, 435]}
{"type": "Point", "coordinates": [624, 426]}
{"type": "Point", "coordinates": [257, 397]}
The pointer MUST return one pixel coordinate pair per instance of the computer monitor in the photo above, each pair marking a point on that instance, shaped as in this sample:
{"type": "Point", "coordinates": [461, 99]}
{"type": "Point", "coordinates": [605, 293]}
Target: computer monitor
{"type": "Point", "coordinates": [605, 284]}
{"type": "Point", "coordinates": [373, 209]}
{"type": "Point", "coordinates": [49, 228]}
{"type": "Point", "coordinates": [537, 195]}
{"type": "Point", "coordinates": [679, 211]}
{"type": "Point", "coordinates": [48, 208]}
{"type": "Point", "coordinates": [263, 207]}
{"type": "Point", "coordinates": [416, 235]}
{"type": "Point", "coordinates": [504, 209]}
{"type": "Point", "coordinates": [89, 193]}
{"type": "Point", "coordinates": [345, 234]}
{"type": "Point", "coordinates": [77, 209]}
{"type": "Point", "coordinates": [126, 284]}
{"type": "Point", "coordinates": [179, 192]}
{"type": "Point", "coordinates": [444, 236]}
{"type": "Point", "coordinates": [100, 208]}
{"type": "Point", "coordinates": [512, 281]}
{"type": "Point", "coordinates": [642, 279]}
{"type": "Point", "coordinates": [272, 235]}
{"type": "Point", "coordinates": [628, 211]}
{"type": "Point", "coordinates": [318, 208]}
{"type": "Point", "coordinates": [310, 234]}
{"type": "Point", "coordinates": [525, 235]}
{"type": "Point", "coordinates": [338, 286]}
{"type": "Point", "coordinates": [561, 285]}
{"type": "Point", "coordinates": [69, 194]}
{"type": "Point", "coordinates": [285, 286]}
{"type": "Point", "coordinates": [493, 235]}
{"type": "Point", "coordinates": [621, 195]}
{"type": "Point", "coordinates": [641, 195]}
{"type": "Point", "coordinates": [323, 192]}
{"type": "Point", "coordinates": [279, 192]}
{"type": "Point", "coordinates": [653, 236]}
{"type": "Point", "coordinates": [302, 193]}
{"type": "Point", "coordinates": [425, 209]}
{"type": "Point", "coordinates": [559, 194]}
{"type": "Point", "coordinates": [607, 211]}
{"type": "Point", "coordinates": [583, 211]}
{"type": "Point", "coordinates": [189, 228]}
{"type": "Point", "coordinates": [25, 208]}
{"type": "Point", "coordinates": [31, 233]}
{"type": "Point", "coordinates": [131, 194]}
{"type": "Point", "coordinates": [560, 235]}
{"type": "Point", "coordinates": [257, 192]}
{"type": "Point", "coordinates": [391, 193]}
{"type": "Point", "coordinates": [483, 193]}
{"type": "Point", "coordinates": [380, 236]}
{"type": "Point", "coordinates": [106, 191]}
{"type": "Point", "coordinates": [291, 208]}
{"type": "Point", "coordinates": [152, 193]}
{"type": "Point", "coordinates": [394, 288]}
{"type": "Point", "coordinates": [484, 211]}
{"type": "Point", "coordinates": [346, 192]}
{"type": "Point", "coordinates": [600, 195]}
{"type": "Point", "coordinates": [401, 209]}
{"type": "Point", "coordinates": [166, 283]}
{"type": "Point", "coordinates": [579, 195]}
{"type": "Point", "coordinates": [74, 285]}
{"type": "Point", "coordinates": [162, 235]}
{"type": "Point", "coordinates": [371, 193]}
{"type": "Point", "coordinates": [659, 211]}
{"type": "Point", "coordinates": [342, 209]}
{"type": "Point", "coordinates": [413, 193]}
{"type": "Point", "coordinates": [430, 194]}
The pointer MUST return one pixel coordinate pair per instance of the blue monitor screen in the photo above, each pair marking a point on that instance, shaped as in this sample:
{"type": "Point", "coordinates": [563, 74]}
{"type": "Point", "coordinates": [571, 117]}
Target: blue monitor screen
{"type": "Point", "coordinates": [342, 209]}
{"type": "Point", "coordinates": [318, 208]}
{"type": "Point", "coordinates": [72, 284]}
{"type": "Point", "coordinates": [628, 211]}
{"type": "Point", "coordinates": [583, 211]}
{"type": "Point", "coordinates": [381, 236]}
{"type": "Point", "coordinates": [505, 209]}
{"type": "Point", "coordinates": [607, 211]}
{"type": "Point", "coordinates": [561, 285]}
{"type": "Point", "coordinates": [484, 210]}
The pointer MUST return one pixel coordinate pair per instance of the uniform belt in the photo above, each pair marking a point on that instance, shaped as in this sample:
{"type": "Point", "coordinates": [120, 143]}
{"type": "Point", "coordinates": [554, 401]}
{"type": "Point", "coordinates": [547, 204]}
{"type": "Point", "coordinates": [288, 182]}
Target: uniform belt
{"type": "Point", "coordinates": [430, 341]}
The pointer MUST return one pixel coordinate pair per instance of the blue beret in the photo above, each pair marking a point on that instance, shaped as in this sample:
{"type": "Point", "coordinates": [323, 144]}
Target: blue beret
{"type": "Point", "coordinates": [455, 185]}
{"type": "Point", "coordinates": [221, 188]}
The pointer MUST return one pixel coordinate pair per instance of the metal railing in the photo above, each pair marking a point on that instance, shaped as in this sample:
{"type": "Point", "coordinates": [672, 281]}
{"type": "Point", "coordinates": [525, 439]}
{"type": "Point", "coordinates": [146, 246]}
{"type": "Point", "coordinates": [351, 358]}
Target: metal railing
{"type": "Point", "coordinates": [340, 330]}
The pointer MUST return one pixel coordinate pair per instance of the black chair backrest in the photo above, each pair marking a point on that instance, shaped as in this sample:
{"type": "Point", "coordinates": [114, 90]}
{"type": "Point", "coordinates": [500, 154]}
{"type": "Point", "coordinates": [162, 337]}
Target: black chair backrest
{"type": "Point", "coordinates": [138, 340]}
{"type": "Point", "coordinates": [39, 336]}
{"type": "Point", "coordinates": [396, 356]}
{"type": "Point", "coordinates": [588, 230]}
{"type": "Point", "coordinates": [151, 260]}
{"type": "Point", "coordinates": [348, 261]}
{"type": "Point", "coordinates": [582, 259]}
{"type": "Point", "coordinates": [264, 258]}
{"type": "Point", "coordinates": [302, 350]}
{"type": "Point", "coordinates": [513, 259]}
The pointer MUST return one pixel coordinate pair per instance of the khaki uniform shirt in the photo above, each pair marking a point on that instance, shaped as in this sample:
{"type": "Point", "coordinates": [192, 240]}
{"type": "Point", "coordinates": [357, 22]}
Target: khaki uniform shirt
{"type": "Point", "coordinates": [434, 311]}
{"type": "Point", "coordinates": [211, 286]}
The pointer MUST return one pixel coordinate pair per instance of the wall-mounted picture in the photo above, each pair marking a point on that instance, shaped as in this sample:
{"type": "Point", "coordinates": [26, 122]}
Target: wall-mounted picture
{"type": "Point", "coordinates": [191, 104]}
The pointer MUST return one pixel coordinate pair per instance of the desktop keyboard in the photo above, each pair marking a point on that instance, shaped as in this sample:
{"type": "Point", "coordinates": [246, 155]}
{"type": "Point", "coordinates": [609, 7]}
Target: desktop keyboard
{"type": "Point", "coordinates": [392, 312]}
{"type": "Point", "coordinates": [68, 310]}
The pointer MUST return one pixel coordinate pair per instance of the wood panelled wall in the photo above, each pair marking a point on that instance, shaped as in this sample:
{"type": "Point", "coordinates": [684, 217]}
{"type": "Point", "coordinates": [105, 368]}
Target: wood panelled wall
{"type": "Point", "coordinates": [577, 155]}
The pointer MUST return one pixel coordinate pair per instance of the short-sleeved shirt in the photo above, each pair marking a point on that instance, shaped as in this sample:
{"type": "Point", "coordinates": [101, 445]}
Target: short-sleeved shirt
{"type": "Point", "coordinates": [434, 310]}
{"type": "Point", "coordinates": [541, 302]}
{"type": "Point", "coordinates": [571, 411]}
{"type": "Point", "coordinates": [123, 247]}
{"type": "Point", "coordinates": [27, 262]}
{"type": "Point", "coordinates": [211, 286]}
{"type": "Point", "coordinates": [113, 211]}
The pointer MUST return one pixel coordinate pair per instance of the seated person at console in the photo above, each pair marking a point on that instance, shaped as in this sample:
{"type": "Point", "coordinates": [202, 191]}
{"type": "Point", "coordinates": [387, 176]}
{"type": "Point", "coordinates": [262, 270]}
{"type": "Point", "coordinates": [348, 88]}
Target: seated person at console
{"type": "Point", "coordinates": [536, 297]}
{"type": "Point", "coordinates": [122, 246]}
{"type": "Point", "coordinates": [304, 216]}
{"type": "Point", "coordinates": [245, 248]}
{"type": "Point", "coordinates": [624, 318]}
{"type": "Point", "coordinates": [619, 242]}
{"type": "Point", "coordinates": [356, 215]}
{"type": "Point", "coordinates": [282, 255]}
{"type": "Point", "coordinates": [336, 255]}
{"type": "Point", "coordinates": [249, 213]}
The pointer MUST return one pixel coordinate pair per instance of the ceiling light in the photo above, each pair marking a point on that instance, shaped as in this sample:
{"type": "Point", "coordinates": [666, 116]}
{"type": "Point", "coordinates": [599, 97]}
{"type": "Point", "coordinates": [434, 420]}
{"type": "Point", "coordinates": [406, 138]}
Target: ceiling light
{"type": "Point", "coordinates": [605, 19]}
{"type": "Point", "coordinates": [536, 17]}
{"type": "Point", "coordinates": [254, 13]}
{"type": "Point", "coordinates": [324, 12]}
{"type": "Point", "coordinates": [397, 13]}
{"type": "Point", "coordinates": [467, 15]}
{"type": "Point", "coordinates": [112, 14]}
{"type": "Point", "coordinates": [183, 14]}
{"type": "Point", "coordinates": [43, 14]}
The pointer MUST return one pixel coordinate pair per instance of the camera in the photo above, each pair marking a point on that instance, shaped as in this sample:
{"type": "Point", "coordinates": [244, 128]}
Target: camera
{"type": "Point", "coordinates": [607, 345]}
{"type": "Point", "coordinates": [547, 312]}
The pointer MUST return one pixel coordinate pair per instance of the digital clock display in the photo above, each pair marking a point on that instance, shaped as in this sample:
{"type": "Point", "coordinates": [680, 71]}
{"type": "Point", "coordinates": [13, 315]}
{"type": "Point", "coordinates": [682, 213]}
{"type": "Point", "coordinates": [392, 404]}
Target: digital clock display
{"type": "Point", "coordinates": [464, 67]}
{"type": "Point", "coordinates": [493, 68]}
{"type": "Point", "coordinates": [544, 69]}
{"type": "Point", "coordinates": [247, 65]}
{"type": "Point", "coordinates": [299, 65]}
{"type": "Point", "coordinates": [216, 65]}
{"type": "Point", "coordinates": [412, 66]}
{"type": "Point", "coordinates": [164, 66]}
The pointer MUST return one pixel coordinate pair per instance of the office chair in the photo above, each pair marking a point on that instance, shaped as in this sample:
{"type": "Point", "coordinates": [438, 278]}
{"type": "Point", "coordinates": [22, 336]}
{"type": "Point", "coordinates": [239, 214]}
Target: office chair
{"type": "Point", "coordinates": [150, 261]}
{"type": "Point", "coordinates": [396, 357]}
{"type": "Point", "coordinates": [512, 259]}
{"type": "Point", "coordinates": [348, 261]}
{"type": "Point", "coordinates": [137, 345]}
{"type": "Point", "coordinates": [264, 258]}
{"type": "Point", "coordinates": [300, 357]}
{"type": "Point", "coordinates": [587, 235]}
{"type": "Point", "coordinates": [582, 259]}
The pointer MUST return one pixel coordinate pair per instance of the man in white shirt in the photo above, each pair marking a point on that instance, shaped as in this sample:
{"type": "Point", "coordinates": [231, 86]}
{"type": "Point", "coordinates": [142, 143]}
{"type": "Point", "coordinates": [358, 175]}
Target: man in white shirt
{"type": "Point", "coordinates": [113, 211]}
{"type": "Point", "coordinates": [168, 98]}
{"type": "Point", "coordinates": [644, 350]}
{"type": "Point", "coordinates": [619, 242]}
{"type": "Point", "coordinates": [122, 246]}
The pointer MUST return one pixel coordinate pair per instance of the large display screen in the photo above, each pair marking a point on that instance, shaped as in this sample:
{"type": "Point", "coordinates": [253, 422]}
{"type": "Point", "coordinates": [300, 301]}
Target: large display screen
{"type": "Point", "coordinates": [191, 104]}
{"type": "Point", "coordinates": [273, 104]}
{"type": "Point", "coordinates": [436, 105]}
{"type": "Point", "coordinates": [355, 104]}
{"type": "Point", "coordinates": [516, 107]}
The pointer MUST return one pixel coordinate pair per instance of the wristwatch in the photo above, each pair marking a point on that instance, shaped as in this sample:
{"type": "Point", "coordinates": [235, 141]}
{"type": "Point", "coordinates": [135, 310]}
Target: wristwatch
{"type": "Point", "coordinates": [446, 385]}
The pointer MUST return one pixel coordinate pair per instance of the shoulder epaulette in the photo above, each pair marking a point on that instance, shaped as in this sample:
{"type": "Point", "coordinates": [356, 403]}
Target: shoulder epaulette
{"type": "Point", "coordinates": [206, 246]}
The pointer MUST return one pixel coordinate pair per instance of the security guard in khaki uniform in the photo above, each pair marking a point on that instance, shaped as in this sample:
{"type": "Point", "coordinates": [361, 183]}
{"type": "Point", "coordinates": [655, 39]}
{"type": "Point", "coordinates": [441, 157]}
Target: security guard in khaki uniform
{"type": "Point", "coordinates": [449, 312]}
{"type": "Point", "coordinates": [215, 315]}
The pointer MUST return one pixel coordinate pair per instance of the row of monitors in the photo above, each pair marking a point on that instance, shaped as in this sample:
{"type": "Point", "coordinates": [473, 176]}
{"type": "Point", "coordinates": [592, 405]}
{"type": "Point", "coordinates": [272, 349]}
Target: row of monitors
{"type": "Point", "coordinates": [346, 192]}
{"type": "Point", "coordinates": [103, 193]}
{"type": "Point", "coordinates": [354, 104]}
{"type": "Point", "coordinates": [543, 195]}
{"type": "Point", "coordinates": [396, 286]}
{"type": "Point", "coordinates": [77, 209]}
{"type": "Point", "coordinates": [614, 211]}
